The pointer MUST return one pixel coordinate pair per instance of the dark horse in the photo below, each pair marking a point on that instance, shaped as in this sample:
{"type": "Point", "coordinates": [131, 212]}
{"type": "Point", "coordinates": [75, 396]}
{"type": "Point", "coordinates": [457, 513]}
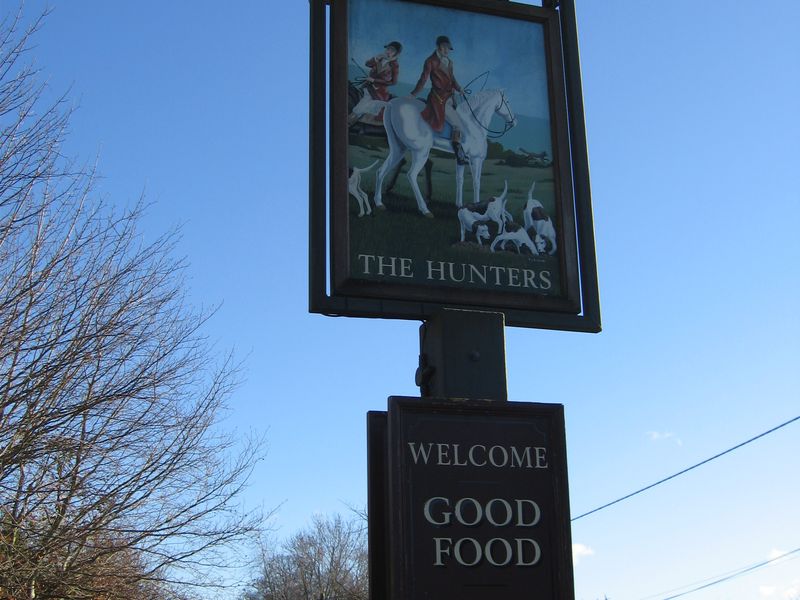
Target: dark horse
{"type": "Point", "coordinates": [370, 128]}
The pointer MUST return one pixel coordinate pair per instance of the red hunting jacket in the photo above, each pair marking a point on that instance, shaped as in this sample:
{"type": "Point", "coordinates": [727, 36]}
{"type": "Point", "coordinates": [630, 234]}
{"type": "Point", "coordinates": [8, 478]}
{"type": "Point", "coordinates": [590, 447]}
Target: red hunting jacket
{"type": "Point", "coordinates": [385, 74]}
{"type": "Point", "coordinates": [443, 84]}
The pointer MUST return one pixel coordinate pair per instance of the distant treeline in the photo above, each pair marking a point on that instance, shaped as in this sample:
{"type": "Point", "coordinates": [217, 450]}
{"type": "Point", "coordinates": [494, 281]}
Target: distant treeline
{"type": "Point", "coordinates": [523, 158]}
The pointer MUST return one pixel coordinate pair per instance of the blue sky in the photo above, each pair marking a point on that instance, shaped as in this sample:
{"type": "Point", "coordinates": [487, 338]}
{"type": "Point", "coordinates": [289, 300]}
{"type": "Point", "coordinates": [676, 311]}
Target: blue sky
{"type": "Point", "coordinates": [693, 133]}
{"type": "Point", "coordinates": [511, 51]}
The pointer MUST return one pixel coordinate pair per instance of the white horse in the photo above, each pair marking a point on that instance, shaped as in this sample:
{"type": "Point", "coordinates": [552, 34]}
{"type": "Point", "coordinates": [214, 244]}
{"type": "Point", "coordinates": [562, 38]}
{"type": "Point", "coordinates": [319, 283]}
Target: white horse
{"type": "Point", "coordinates": [407, 130]}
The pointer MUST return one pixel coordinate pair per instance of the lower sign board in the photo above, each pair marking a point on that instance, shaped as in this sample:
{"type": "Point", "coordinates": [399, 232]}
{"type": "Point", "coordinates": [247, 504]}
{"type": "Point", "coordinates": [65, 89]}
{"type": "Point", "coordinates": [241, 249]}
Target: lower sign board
{"type": "Point", "coordinates": [478, 501]}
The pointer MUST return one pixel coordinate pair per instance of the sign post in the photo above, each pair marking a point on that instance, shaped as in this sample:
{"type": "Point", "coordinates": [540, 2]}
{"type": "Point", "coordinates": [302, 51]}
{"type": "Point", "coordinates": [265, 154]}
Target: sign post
{"type": "Point", "coordinates": [468, 495]}
{"type": "Point", "coordinates": [462, 355]}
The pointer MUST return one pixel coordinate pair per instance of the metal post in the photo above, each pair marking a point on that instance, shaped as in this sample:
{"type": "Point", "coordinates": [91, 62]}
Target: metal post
{"type": "Point", "coordinates": [462, 355]}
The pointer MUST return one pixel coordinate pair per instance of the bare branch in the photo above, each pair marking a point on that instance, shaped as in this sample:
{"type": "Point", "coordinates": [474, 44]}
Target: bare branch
{"type": "Point", "coordinates": [115, 479]}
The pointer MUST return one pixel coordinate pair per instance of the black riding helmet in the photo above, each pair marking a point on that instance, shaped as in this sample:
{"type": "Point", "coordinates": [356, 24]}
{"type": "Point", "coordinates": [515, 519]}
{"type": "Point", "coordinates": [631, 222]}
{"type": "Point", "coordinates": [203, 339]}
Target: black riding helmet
{"type": "Point", "coordinates": [443, 39]}
{"type": "Point", "coordinates": [398, 47]}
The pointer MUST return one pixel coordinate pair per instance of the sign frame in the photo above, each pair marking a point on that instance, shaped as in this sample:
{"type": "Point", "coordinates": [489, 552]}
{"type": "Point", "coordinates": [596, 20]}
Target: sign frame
{"type": "Point", "coordinates": [407, 573]}
{"type": "Point", "coordinates": [332, 290]}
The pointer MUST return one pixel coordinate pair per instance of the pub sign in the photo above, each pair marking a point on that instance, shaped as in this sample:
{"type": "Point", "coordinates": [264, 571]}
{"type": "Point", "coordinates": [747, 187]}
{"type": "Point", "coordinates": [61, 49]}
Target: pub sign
{"type": "Point", "coordinates": [478, 505]}
{"type": "Point", "coordinates": [445, 168]}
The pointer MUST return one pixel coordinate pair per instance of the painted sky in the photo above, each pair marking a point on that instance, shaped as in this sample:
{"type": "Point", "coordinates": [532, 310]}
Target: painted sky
{"type": "Point", "coordinates": [511, 50]}
{"type": "Point", "coordinates": [693, 133]}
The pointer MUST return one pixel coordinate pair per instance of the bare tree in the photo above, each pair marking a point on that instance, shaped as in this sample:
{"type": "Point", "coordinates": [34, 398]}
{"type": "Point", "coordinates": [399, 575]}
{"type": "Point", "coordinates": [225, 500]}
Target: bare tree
{"type": "Point", "coordinates": [326, 561]}
{"type": "Point", "coordinates": [115, 481]}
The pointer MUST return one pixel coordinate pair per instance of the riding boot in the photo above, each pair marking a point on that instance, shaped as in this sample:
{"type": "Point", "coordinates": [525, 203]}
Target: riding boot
{"type": "Point", "coordinates": [461, 158]}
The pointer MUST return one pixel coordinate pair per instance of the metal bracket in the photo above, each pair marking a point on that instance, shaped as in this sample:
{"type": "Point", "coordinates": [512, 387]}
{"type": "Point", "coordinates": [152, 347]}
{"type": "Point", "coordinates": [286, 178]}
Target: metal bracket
{"type": "Point", "coordinates": [422, 378]}
{"type": "Point", "coordinates": [462, 355]}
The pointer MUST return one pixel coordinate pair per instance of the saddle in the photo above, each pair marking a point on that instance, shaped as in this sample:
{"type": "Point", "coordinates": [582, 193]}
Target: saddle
{"type": "Point", "coordinates": [447, 131]}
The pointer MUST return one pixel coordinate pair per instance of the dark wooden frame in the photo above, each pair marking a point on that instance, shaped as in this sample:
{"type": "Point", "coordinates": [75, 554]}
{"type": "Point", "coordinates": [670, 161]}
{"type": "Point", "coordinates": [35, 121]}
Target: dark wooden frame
{"type": "Point", "coordinates": [378, 504]}
{"type": "Point", "coordinates": [578, 307]}
{"type": "Point", "coordinates": [389, 554]}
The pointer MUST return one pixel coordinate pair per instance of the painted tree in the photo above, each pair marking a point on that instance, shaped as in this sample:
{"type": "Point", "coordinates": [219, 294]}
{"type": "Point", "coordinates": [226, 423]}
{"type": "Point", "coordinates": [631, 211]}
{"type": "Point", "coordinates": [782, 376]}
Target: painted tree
{"type": "Point", "coordinates": [115, 481]}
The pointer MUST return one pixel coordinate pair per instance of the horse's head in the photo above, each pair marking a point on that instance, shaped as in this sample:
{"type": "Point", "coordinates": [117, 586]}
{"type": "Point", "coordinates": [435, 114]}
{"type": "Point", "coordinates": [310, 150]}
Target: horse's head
{"type": "Point", "coordinates": [503, 109]}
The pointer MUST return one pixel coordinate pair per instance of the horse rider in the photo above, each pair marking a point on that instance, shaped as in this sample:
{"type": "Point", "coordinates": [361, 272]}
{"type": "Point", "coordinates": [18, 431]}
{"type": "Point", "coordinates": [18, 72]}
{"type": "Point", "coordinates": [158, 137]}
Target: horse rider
{"type": "Point", "coordinates": [384, 69]}
{"type": "Point", "coordinates": [440, 107]}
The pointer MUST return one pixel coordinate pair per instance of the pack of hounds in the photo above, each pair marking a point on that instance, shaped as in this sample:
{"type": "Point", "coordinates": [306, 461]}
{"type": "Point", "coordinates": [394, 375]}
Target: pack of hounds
{"type": "Point", "coordinates": [537, 234]}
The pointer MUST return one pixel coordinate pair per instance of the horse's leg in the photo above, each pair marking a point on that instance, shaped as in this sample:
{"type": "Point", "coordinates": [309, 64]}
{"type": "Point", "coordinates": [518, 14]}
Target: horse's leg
{"type": "Point", "coordinates": [459, 185]}
{"type": "Point", "coordinates": [365, 199]}
{"type": "Point", "coordinates": [397, 150]}
{"type": "Point", "coordinates": [393, 159]}
{"type": "Point", "coordinates": [429, 179]}
{"type": "Point", "coordinates": [475, 167]}
{"type": "Point", "coordinates": [418, 159]}
{"type": "Point", "coordinates": [395, 174]}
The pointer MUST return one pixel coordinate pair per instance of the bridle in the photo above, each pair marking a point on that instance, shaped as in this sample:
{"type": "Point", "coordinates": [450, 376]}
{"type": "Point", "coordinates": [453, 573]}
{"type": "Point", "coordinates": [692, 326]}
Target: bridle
{"type": "Point", "coordinates": [503, 102]}
{"type": "Point", "coordinates": [506, 127]}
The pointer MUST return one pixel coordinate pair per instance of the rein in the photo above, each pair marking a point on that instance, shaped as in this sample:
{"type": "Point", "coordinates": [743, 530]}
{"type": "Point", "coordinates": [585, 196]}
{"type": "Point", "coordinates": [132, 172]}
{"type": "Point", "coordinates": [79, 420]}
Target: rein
{"type": "Point", "coordinates": [491, 133]}
{"type": "Point", "coordinates": [508, 124]}
{"type": "Point", "coordinates": [360, 81]}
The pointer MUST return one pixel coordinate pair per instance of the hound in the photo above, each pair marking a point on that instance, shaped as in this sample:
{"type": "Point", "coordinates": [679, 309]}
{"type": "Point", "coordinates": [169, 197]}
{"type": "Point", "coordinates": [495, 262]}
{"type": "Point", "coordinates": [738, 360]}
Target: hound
{"type": "Point", "coordinates": [519, 237]}
{"type": "Point", "coordinates": [494, 210]}
{"type": "Point", "coordinates": [475, 222]}
{"type": "Point", "coordinates": [535, 218]}
{"type": "Point", "coordinates": [354, 187]}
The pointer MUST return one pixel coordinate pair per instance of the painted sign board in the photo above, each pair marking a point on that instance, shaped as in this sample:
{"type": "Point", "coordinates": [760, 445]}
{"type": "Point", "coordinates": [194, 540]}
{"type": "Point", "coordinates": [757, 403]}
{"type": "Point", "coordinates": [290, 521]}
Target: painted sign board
{"type": "Point", "coordinates": [478, 504]}
{"type": "Point", "coordinates": [446, 171]}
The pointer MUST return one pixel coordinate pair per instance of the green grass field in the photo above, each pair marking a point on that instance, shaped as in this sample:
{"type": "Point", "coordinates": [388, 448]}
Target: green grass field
{"type": "Point", "coordinates": [402, 231]}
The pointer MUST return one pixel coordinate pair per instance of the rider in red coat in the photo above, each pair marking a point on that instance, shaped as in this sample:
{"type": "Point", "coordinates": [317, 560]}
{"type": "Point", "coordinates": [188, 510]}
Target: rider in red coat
{"type": "Point", "coordinates": [383, 72]}
{"type": "Point", "coordinates": [440, 107]}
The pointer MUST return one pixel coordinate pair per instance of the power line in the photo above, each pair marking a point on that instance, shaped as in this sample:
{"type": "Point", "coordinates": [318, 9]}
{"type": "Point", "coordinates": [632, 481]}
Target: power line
{"type": "Point", "coordinates": [726, 577]}
{"type": "Point", "coordinates": [715, 579]}
{"type": "Point", "coordinates": [679, 473]}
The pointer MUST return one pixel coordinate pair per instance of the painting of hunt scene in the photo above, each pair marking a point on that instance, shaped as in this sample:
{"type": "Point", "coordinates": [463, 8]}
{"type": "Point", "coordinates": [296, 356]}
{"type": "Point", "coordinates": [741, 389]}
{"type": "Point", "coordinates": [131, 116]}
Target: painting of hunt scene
{"type": "Point", "coordinates": [453, 166]}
